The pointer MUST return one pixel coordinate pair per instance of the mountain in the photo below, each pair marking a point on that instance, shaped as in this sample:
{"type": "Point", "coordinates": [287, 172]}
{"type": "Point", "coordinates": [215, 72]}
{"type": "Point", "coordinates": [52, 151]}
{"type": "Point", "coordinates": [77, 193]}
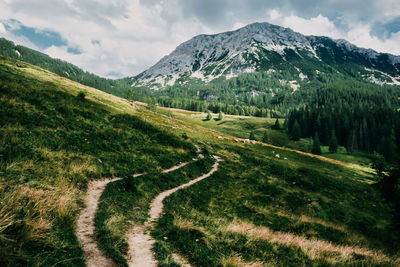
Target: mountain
{"type": "Point", "coordinates": [267, 49]}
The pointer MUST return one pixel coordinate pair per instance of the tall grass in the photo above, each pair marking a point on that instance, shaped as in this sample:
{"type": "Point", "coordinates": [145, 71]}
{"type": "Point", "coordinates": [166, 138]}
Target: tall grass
{"type": "Point", "coordinates": [126, 202]}
{"type": "Point", "coordinates": [52, 142]}
{"type": "Point", "coordinates": [296, 212]}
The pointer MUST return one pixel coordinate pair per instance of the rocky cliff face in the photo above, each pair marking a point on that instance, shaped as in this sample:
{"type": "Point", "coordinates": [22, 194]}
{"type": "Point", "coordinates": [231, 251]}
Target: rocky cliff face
{"type": "Point", "coordinates": [263, 47]}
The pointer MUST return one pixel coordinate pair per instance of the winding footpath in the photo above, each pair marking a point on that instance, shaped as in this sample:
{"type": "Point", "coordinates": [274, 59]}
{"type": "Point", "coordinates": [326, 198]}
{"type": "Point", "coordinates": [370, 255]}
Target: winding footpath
{"type": "Point", "coordinates": [139, 239]}
{"type": "Point", "coordinates": [140, 242]}
{"type": "Point", "coordinates": [85, 225]}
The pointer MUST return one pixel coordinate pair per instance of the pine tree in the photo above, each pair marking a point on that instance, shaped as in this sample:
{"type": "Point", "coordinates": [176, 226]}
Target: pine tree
{"type": "Point", "coordinates": [316, 149]}
{"type": "Point", "coordinates": [277, 125]}
{"type": "Point", "coordinates": [252, 136]}
{"type": "Point", "coordinates": [265, 138]}
{"type": "Point", "coordinates": [386, 147]}
{"type": "Point", "coordinates": [296, 131]}
{"type": "Point", "coordinates": [209, 116]}
{"type": "Point", "coordinates": [351, 142]}
{"type": "Point", "coordinates": [220, 116]}
{"type": "Point", "coordinates": [333, 143]}
{"type": "Point", "coordinates": [379, 164]}
{"type": "Point", "coordinates": [285, 124]}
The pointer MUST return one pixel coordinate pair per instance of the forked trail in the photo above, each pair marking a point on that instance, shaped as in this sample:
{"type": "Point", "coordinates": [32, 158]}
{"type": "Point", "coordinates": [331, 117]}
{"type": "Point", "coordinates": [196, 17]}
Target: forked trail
{"type": "Point", "coordinates": [139, 239]}
{"type": "Point", "coordinates": [94, 257]}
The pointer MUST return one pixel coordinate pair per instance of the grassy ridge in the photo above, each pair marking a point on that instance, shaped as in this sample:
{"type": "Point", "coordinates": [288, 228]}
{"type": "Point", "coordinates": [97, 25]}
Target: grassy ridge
{"type": "Point", "coordinates": [127, 202]}
{"type": "Point", "coordinates": [241, 126]}
{"type": "Point", "coordinates": [258, 209]}
{"type": "Point", "coordinates": [52, 142]}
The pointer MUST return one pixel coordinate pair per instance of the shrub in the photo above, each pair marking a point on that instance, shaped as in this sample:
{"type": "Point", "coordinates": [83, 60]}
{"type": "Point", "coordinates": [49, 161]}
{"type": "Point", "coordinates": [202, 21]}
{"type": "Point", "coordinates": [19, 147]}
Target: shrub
{"type": "Point", "coordinates": [209, 116]}
{"type": "Point", "coordinates": [81, 95]}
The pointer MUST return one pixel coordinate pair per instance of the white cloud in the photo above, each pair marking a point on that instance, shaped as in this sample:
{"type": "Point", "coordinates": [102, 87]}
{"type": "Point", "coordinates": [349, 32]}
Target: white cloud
{"type": "Point", "coordinates": [129, 36]}
{"type": "Point", "coordinates": [319, 25]}
{"type": "Point", "coordinates": [358, 34]}
{"type": "Point", "coordinates": [2, 29]}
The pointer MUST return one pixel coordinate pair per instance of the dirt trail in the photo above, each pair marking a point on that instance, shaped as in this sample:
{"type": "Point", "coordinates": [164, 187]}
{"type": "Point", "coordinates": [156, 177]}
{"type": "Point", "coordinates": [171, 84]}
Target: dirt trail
{"type": "Point", "coordinates": [85, 225]}
{"type": "Point", "coordinates": [175, 167]}
{"type": "Point", "coordinates": [94, 257]}
{"type": "Point", "coordinates": [140, 242]}
{"type": "Point", "coordinates": [181, 261]}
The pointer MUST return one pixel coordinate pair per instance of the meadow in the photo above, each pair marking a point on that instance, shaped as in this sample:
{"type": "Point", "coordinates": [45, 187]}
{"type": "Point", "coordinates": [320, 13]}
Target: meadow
{"type": "Point", "coordinates": [256, 210]}
{"type": "Point", "coordinates": [55, 136]}
{"type": "Point", "coordinates": [261, 211]}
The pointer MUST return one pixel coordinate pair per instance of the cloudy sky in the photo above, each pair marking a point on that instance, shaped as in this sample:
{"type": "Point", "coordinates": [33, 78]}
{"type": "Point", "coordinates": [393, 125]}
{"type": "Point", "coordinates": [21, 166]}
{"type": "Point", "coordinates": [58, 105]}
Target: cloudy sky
{"type": "Point", "coordinates": [116, 38]}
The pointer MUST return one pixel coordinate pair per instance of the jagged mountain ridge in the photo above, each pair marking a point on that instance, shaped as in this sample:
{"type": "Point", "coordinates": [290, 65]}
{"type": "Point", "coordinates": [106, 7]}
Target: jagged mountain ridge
{"type": "Point", "coordinates": [265, 47]}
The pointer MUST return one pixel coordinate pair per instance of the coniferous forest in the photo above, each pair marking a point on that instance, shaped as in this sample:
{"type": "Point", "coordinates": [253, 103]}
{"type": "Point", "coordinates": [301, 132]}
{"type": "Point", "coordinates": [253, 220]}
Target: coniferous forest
{"type": "Point", "coordinates": [357, 119]}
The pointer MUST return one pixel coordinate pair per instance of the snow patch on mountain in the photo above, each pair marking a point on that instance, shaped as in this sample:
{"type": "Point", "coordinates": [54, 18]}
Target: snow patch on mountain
{"type": "Point", "coordinates": [302, 76]}
{"type": "Point", "coordinates": [229, 54]}
{"type": "Point", "coordinates": [199, 75]}
{"type": "Point", "coordinates": [226, 51]}
{"type": "Point", "coordinates": [172, 80]}
{"type": "Point", "coordinates": [294, 85]}
{"type": "Point", "coordinates": [373, 79]}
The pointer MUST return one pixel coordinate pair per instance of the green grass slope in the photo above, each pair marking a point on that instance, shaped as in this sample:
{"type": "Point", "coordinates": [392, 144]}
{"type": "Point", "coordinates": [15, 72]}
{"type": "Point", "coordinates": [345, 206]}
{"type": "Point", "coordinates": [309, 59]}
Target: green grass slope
{"type": "Point", "coordinates": [127, 202]}
{"type": "Point", "coordinates": [243, 126]}
{"type": "Point", "coordinates": [56, 135]}
{"type": "Point", "coordinates": [256, 210]}
{"type": "Point", "coordinates": [265, 211]}
{"type": "Point", "coordinates": [117, 87]}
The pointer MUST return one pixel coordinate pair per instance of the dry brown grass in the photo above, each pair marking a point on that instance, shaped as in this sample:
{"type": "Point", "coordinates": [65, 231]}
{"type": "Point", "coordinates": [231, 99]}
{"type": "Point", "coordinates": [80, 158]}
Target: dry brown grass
{"type": "Point", "coordinates": [187, 225]}
{"type": "Point", "coordinates": [83, 167]}
{"type": "Point", "coordinates": [231, 156]}
{"type": "Point", "coordinates": [6, 218]}
{"type": "Point", "coordinates": [304, 218]}
{"type": "Point", "coordinates": [183, 224]}
{"type": "Point", "coordinates": [237, 261]}
{"type": "Point", "coordinates": [313, 248]}
{"type": "Point", "coordinates": [40, 207]}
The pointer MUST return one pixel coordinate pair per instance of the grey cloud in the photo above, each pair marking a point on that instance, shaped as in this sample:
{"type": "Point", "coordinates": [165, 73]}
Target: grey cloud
{"type": "Point", "coordinates": [110, 9]}
{"type": "Point", "coordinates": [89, 10]}
{"type": "Point", "coordinates": [225, 12]}
{"type": "Point", "coordinates": [99, 12]}
{"type": "Point", "coordinates": [44, 8]}
{"type": "Point", "coordinates": [384, 30]}
{"type": "Point", "coordinates": [123, 49]}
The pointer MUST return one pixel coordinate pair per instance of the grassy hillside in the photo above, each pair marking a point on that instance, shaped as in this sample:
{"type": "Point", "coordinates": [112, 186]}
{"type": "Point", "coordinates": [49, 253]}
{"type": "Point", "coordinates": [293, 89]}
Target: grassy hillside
{"type": "Point", "coordinates": [264, 211]}
{"type": "Point", "coordinates": [117, 87]}
{"type": "Point", "coordinates": [242, 126]}
{"type": "Point", "coordinates": [258, 210]}
{"type": "Point", "coordinates": [293, 211]}
{"type": "Point", "coordinates": [56, 135]}
{"type": "Point", "coordinates": [127, 202]}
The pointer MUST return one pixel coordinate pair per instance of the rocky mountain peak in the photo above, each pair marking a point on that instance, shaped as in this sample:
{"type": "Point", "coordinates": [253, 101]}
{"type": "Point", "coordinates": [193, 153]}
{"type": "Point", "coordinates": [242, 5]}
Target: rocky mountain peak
{"type": "Point", "coordinates": [255, 47]}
